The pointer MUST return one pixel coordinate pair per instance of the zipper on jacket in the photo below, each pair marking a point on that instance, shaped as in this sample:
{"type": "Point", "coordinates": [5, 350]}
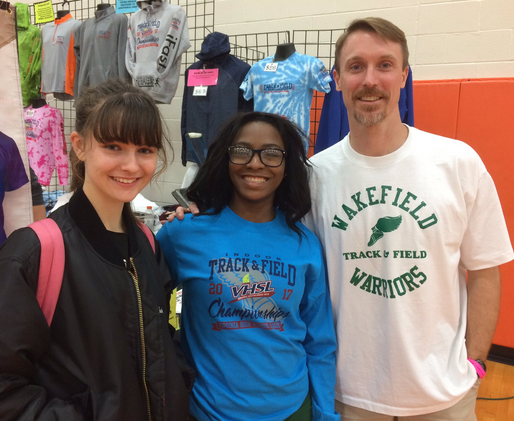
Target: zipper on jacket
{"type": "Point", "coordinates": [131, 268]}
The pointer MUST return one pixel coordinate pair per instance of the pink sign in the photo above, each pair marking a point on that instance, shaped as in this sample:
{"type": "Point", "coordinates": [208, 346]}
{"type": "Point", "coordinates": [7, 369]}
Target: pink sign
{"type": "Point", "coordinates": [203, 77]}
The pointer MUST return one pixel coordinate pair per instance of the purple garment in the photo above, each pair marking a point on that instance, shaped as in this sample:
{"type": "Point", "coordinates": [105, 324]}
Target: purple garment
{"type": "Point", "coordinates": [12, 174]}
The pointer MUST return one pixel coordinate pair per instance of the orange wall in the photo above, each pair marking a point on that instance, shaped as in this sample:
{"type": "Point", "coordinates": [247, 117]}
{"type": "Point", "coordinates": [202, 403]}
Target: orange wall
{"type": "Point", "coordinates": [479, 112]}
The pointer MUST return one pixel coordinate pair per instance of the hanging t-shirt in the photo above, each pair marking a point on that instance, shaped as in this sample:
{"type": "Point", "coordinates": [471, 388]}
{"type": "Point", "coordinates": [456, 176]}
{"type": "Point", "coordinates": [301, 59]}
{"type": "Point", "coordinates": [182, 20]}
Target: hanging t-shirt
{"type": "Point", "coordinates": [286, 87]}
{"type": "Point", "coordinates": [58, 64]}
{"type": "Point", "coordinates": [46, 146]}
{"type": "Point", "coordinates": [12, 174]}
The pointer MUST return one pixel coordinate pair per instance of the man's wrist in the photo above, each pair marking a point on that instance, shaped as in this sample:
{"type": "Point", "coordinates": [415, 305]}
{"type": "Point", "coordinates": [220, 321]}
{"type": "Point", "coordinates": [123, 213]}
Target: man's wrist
{"type": "Point", "coordinates": [480, 367]}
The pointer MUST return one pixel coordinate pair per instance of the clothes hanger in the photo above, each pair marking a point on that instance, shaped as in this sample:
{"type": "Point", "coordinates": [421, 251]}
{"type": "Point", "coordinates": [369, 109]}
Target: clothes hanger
{"type": "Point", "coordinates": [5, 5]}
{"type": "Point", "coordinates": [102, 6]}
{"type": "Point", "coordinates": [284, 51]}
{"type": "Point", "coordinates": [63, 12]}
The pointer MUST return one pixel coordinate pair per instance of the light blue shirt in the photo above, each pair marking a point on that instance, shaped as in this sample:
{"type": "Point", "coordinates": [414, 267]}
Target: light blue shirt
{"type": "Point", "coordinates": [287, 91]}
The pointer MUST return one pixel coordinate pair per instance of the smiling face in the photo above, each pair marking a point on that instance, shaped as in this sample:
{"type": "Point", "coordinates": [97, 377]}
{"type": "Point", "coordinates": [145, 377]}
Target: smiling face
{"type": "Point", "coordinates": [370, 77]}
{"type": "Point", "coordinates": [254, 184]}
{"type": "Point", "coordinates": [115, 172]}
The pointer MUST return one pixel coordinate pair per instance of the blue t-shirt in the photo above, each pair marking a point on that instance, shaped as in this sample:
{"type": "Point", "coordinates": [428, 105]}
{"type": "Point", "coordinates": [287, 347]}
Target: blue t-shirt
{"type": "Point", "coordinates": [256, 317]}
{"type": "Point", "coordinates": [288, 90]}
{"type": "Point", "coordinates": [12, 174]}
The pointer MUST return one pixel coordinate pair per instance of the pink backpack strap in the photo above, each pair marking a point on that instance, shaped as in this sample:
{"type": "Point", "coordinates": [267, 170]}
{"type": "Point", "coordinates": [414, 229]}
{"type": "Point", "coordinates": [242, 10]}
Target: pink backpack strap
{"type": "Point", "coordinates": [51, 265]}
{"type": "Point", "coordinates": [149, 235]}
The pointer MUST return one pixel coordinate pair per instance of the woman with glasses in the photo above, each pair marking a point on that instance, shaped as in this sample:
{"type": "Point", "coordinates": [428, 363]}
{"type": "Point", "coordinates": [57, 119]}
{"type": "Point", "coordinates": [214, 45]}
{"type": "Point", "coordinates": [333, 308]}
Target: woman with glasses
{"type": "Point", "coordinates": [256, 317]}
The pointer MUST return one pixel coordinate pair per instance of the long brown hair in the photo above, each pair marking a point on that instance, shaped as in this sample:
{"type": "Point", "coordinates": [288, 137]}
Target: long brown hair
{"type": "Point", "coordinates": [117, 111]}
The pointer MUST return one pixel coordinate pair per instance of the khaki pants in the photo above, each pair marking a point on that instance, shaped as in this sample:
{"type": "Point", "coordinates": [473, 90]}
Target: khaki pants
{"type": "Point", "coordinates": [464, 410]}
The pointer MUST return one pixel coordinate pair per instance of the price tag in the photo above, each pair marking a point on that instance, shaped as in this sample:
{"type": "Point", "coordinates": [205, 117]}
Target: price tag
{"type": "Point", "coordinates": [200, 91]}
{"type": "Point", "coordinates": [29, 113]}
{"type": "Point", "coordinates": [271, 67]}
{"type": "Point", "coordinates": [203, 77]}
{"type": "Point", "coordinates": [49, 97]}
{"type": "Point", "coordinates": [44, 12]}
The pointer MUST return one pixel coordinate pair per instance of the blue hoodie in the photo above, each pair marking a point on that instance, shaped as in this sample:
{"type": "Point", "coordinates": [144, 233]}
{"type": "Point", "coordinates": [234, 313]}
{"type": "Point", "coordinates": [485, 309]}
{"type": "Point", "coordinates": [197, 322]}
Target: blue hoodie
{"type": "Point", "coordinates": [205, 114]}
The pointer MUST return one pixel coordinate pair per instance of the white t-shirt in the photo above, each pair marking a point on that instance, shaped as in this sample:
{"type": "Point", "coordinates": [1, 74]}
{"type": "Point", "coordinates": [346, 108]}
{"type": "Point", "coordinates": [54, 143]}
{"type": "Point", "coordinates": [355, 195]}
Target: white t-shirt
{"type": "Point", "coordinates": [399, 232]}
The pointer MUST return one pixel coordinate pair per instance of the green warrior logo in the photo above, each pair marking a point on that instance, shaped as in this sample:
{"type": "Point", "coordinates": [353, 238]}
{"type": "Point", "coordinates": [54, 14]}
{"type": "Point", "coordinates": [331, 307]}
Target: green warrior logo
{"type": "Point", "coordinates": [383, 225]}
{"type": "Point", "coordinates": [380, 195]}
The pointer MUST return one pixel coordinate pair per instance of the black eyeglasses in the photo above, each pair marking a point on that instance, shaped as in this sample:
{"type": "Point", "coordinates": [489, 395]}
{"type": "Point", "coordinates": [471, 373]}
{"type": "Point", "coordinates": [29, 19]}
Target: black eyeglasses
{"type": "Point", "coordinates": [241, 155]}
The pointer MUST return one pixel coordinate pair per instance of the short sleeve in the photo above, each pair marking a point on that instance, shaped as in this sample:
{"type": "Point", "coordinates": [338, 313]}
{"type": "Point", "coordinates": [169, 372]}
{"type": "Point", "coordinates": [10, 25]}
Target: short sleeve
{"type": "Point", "coordinates": [247, 86]}
{"type": "Point", "coordinates": [15, 175]}
{"type": "Point", "coordinates": [321, 77]}
{"type": "Point", "coordinates": [486, 242]}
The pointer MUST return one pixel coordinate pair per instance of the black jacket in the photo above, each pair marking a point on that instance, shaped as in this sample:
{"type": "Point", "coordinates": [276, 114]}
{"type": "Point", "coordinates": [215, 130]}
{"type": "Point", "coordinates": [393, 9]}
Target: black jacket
{"type": "Point", "coordinates": [89, 365]}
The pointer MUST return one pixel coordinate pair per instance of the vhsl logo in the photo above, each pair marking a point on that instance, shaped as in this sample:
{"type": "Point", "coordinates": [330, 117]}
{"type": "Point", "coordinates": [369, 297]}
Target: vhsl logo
{"type": "Point", "coordinates": [146, 32]}
{"type": "Point", "coordinates": [251, 290]}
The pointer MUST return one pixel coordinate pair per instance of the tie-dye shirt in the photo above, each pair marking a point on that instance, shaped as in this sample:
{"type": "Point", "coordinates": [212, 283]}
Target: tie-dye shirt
{"type": "Point", "coordinates": [46, 146]}
{"type": "Point", "coordinates": [288, 90]}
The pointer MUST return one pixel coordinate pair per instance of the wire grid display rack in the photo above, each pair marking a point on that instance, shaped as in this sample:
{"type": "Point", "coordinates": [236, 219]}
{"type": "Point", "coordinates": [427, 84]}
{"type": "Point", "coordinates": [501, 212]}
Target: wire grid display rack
{"type": "Point", "coordinates": [200, 17]}
{"type": "Point", "coordinates": [319, 44]}
{"type": "Point", "coordinates": [254, 47]}
{"type": "Point", "coordinates": [248, 47]}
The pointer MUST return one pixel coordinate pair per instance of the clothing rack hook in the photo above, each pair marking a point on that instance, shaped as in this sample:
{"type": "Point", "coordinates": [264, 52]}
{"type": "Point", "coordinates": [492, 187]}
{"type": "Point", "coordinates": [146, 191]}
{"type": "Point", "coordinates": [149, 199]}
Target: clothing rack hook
{"type": "Point", "coordinates": [5, 5]}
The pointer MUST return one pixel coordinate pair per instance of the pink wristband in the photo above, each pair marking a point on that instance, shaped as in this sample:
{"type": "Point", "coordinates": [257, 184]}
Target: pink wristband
{"type": "Point", "coordinates": [480, 371]}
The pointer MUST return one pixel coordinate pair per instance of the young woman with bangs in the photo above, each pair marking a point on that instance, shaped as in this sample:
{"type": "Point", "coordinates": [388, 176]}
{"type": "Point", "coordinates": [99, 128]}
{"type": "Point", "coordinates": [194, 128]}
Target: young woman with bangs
{"type": "Point", "coordinates": [108, 354]}
{"type": "Point", "coordinates": [256, 318]}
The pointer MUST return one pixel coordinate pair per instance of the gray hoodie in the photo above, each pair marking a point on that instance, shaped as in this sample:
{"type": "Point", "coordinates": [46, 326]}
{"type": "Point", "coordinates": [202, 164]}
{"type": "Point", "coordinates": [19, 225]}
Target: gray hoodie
{"type": "Point", "coordinates": [100, 44]}
{"type": "Point", "coordinates": [157, 37]}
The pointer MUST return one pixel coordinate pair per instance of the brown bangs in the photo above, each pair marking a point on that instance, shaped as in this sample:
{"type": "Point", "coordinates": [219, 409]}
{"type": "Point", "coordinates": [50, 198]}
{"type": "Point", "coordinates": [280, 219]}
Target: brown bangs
{"type": "Point", "coordinates": [129, 119]}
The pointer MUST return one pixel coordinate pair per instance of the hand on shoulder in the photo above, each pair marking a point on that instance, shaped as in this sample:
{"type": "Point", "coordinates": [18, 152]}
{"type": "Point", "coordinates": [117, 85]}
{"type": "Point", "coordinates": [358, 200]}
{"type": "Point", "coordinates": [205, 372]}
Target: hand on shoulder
{"type": "Point", "coordinates": [180, 212]}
